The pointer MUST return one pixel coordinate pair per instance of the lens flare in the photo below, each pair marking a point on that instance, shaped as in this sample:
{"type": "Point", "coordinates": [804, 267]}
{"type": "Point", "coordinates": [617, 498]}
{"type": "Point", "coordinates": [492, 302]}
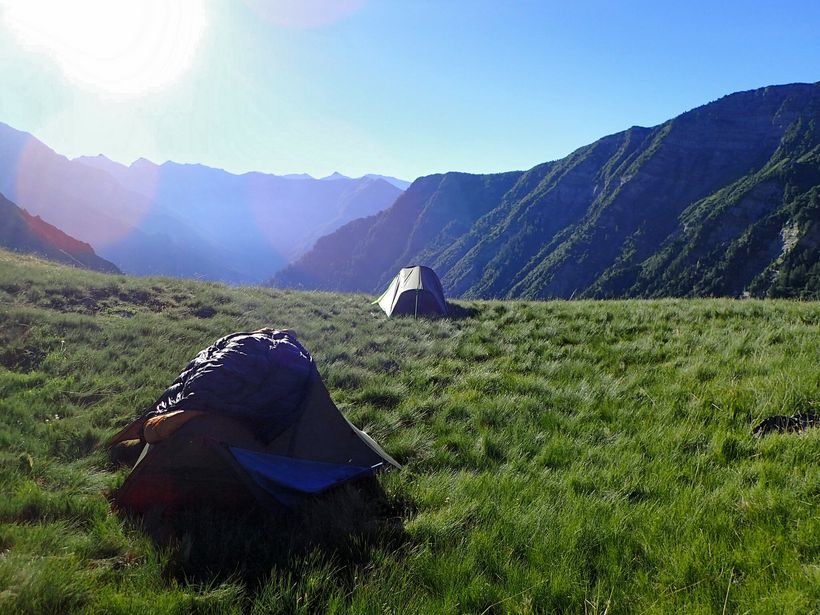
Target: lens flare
{"type": "Point", "coordinates": [51, 187]}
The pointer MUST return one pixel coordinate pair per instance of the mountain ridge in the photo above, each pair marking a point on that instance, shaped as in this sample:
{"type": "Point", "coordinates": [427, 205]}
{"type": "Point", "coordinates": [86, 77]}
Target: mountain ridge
{"type": "Point", "coordinates": [105, 163]}
{"type": "Point", "coordinates": [598, 222]}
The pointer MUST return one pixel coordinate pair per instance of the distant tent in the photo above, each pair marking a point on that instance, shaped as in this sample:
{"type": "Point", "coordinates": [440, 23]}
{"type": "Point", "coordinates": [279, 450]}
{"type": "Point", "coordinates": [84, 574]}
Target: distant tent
{"type": "Point", "coordinates": [415, 290]}
{"type": "Point", "coordinates": [248, 420]}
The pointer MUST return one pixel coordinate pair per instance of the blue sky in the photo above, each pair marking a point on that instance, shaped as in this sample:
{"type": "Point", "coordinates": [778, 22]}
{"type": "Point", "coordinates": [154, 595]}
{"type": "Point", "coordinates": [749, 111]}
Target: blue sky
{"type": "Point", "coordinates": [404, 88]}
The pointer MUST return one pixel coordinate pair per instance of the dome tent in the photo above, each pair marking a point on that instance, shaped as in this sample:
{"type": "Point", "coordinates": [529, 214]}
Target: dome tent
{"type": "Point", "coordinates": [415, 290]}
{"type": "Point", "coordinates": [248, 421]}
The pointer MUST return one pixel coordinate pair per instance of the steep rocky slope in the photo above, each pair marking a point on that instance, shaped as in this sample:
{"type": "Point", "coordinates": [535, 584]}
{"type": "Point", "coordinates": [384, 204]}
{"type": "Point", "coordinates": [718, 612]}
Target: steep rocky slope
{"type": "Point", "coordinates": [22, 232]}
{"type": "Point", "coordinates": [721, 200]}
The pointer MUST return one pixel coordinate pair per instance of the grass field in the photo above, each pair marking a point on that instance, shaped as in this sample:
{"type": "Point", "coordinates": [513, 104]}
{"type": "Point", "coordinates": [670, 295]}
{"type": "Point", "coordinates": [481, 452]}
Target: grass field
{"type": "Point", "coordinates": [583, 457]}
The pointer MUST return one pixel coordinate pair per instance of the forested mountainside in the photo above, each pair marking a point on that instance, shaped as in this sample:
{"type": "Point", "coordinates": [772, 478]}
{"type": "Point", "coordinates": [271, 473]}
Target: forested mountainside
{"type": "Point", "coordinates": [720, 201]}
{"type": "Point", "coordinates": [24, 233]}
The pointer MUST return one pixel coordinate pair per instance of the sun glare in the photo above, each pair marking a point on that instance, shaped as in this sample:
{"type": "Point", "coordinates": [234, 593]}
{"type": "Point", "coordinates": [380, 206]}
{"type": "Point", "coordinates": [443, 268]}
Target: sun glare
{"type": "Point", "coordinates": [117, 47]}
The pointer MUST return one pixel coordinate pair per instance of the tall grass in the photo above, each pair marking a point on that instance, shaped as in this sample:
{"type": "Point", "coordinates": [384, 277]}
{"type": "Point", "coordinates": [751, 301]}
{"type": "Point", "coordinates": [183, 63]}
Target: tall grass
{"type": "Point", "coordinates": [558, 457]}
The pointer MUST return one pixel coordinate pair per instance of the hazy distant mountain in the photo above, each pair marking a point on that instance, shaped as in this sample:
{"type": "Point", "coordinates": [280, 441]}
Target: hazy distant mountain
{"type": "Point", "coordinates": [723, 199]}
{"type": "Point", "coordinates": [266, 220]}
{"type": "Point", "coordinates": [181, 219]}
{"type": "Point", "coordinates": [398, 183]}
{"type": "Point", "coordinates": [91, 205]}
{"type": "Point", "coordinates": [401, 184]}
{"type": "Point", "coordinates": [22, 232]}
{"type": "Point", "coordinates": [333, 176]}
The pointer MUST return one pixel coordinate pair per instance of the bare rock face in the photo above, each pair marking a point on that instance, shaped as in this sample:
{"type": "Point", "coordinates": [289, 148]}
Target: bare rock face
{"type": "Point", "coordinates": [694, 206]}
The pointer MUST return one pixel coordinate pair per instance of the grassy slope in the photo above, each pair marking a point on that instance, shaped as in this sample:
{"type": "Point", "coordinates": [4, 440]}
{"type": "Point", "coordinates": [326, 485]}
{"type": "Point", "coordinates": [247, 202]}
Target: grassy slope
{"type": "Point", "coordinates": [561, 456]}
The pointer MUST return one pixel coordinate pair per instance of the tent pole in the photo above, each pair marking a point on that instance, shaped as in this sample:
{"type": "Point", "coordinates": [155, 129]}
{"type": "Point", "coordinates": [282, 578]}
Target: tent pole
{"type": "Point", "coordinates": [416, 313]}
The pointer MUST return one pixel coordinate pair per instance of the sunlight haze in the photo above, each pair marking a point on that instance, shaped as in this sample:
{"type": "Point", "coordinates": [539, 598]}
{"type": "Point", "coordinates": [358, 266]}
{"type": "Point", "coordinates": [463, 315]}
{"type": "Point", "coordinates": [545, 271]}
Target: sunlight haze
{"type": "Point", "coordinates": [399, 88]}
{"type": "Point", "coordinates": [116, 47]}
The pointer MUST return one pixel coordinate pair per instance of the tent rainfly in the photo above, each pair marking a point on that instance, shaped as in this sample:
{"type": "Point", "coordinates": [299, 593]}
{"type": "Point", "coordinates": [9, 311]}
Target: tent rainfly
{"type": "Point", "coordinates": [415, 290]}
{"type": "Point", "coordinates": [248, 421]}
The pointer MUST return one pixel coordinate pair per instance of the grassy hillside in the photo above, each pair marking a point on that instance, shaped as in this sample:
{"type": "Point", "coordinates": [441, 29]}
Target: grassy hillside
{"type": "Point", "coordinates": [559, 457]}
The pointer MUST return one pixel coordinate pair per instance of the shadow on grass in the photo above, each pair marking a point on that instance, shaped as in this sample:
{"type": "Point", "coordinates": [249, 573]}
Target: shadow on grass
{"type": "Point", "coordinates": [459, 312]}
{"type": "Point", "coordinates": [345, 526]}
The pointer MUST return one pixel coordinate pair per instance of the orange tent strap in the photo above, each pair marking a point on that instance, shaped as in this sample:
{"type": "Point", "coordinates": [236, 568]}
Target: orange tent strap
{"type": "Point", "coordinates": [157, 428]}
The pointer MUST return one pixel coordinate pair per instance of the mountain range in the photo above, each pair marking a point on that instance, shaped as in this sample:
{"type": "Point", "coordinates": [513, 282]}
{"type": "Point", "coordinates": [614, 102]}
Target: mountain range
{"type": "Point", "coordinates": [181, 219]}
{"type": "Point", "coordinates": [723, 200]}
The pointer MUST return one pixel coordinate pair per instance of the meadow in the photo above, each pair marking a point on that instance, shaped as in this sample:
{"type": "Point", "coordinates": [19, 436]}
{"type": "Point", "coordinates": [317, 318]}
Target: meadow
{"type": "Point", "coordinates": [560, 456]}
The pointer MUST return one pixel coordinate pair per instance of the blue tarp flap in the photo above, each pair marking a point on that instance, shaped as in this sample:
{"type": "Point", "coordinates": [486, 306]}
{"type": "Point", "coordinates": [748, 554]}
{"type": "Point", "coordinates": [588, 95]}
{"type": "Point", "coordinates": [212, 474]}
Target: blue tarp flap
{"type": "Point", "coordinates": [277, 475]}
